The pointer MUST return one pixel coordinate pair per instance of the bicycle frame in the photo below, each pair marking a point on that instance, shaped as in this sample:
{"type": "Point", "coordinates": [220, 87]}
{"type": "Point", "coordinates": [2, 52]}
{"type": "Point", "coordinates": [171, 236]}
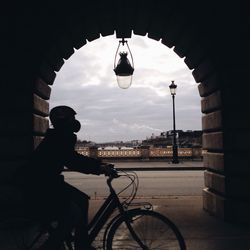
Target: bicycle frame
{"type": "Point", "coordinates": [105, 211]}
{"type": "Point", "coordinates": [101, 217]}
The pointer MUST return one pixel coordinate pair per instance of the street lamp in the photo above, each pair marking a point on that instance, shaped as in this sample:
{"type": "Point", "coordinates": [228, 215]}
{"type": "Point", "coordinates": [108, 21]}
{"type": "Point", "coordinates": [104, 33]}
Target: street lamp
{"type": "Point", "coordinates": [123, 69]}
{"type": "Point", "coordinates": [175, 159]}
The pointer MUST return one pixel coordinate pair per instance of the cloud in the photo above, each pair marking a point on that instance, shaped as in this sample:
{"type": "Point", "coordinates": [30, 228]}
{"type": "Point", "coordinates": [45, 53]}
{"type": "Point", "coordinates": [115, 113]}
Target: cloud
{"type": "Point", "coordinates": [134, 126]}
{"type": "Point", "coordinates": [138, 42]}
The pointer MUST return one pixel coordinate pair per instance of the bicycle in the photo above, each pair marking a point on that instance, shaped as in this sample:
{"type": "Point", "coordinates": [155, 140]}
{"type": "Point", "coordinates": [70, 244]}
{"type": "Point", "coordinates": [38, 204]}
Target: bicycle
{"type": "Point", "coordinates": [130, 228]}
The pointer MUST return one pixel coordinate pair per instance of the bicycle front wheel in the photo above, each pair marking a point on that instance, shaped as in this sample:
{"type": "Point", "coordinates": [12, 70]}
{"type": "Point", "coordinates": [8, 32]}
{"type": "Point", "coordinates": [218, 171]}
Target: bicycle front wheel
{"type": "Point", "coordinates": [154, 230]}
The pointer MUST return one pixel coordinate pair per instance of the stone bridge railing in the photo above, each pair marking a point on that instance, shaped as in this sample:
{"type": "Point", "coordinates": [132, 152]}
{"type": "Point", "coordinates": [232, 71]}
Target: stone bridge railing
{"type": "Point", "coordinates": [141, 153]}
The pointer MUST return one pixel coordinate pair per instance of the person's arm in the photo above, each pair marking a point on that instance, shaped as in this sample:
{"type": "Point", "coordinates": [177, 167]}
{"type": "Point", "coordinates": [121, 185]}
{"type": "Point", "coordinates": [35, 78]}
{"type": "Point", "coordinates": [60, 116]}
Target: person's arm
{"type": "Point", "coordinates": [84, 164]}
{"type": "Point", "coordinates": [88, 165]}
{"type": "Point", "coordinates": [80, 163]}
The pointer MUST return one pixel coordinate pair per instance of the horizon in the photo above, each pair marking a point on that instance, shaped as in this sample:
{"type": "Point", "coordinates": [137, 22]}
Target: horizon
{"type": "Point", "coordinates": [117, 141]}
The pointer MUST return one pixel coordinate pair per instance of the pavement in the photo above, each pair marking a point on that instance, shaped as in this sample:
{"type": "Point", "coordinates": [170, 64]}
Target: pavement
{"type": "Point", "coordinates": [200, 230]}
{"type": "Point", "coordinates": [160, 165]}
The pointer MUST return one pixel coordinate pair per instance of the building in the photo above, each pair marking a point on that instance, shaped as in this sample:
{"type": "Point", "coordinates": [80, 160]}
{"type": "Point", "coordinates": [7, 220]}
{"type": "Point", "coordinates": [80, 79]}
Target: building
{"type": "Point", "coordinates": [187, 139]}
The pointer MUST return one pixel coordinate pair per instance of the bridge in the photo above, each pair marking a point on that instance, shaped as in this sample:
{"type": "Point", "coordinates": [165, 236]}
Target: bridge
{"type": "Point", "coordinates": [145, 153]}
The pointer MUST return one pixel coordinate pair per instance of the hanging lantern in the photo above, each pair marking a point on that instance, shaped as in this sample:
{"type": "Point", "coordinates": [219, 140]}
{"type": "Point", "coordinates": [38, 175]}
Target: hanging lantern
{"type": "Point", "coordinates": [123, 69]}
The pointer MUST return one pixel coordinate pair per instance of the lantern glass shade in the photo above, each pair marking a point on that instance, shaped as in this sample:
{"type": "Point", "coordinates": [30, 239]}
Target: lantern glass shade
{"type": "Point", "coordinates": [124, 82]}
{"type": "Point", "coordinates": [172, 88]}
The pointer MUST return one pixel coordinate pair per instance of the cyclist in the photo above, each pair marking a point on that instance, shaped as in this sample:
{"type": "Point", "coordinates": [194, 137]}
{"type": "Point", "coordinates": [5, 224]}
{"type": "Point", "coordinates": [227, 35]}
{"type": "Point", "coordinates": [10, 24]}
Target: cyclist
{"type": "Point", "coordinates": [47, 195]}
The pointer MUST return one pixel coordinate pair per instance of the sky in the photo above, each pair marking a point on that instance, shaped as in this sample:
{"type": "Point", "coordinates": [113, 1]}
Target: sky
{"type": "Point", "coordinates": [87, 83]}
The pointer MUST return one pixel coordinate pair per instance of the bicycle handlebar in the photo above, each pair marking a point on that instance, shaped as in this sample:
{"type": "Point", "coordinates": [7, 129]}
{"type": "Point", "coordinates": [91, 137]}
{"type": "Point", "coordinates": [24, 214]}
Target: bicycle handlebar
{"type": "Point", "coordinates": [111, 172]}
{"type": "Point", "coordinates": [134, 182]}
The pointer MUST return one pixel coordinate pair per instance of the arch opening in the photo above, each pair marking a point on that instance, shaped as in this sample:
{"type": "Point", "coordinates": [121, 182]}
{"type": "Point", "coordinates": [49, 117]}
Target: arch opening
{"type": "Point", "coordinates": [104, 108]}
{"type": "Point", "coordinates": [204, 74]}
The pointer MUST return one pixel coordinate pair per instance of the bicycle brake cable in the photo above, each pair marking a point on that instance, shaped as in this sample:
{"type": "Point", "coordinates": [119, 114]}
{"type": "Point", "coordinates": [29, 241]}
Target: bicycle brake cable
{"type": "Point", "coordinates": [134, 182]}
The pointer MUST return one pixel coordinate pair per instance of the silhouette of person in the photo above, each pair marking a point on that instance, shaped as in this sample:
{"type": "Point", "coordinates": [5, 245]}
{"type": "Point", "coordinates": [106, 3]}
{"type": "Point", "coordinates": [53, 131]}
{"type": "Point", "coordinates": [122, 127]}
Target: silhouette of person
{"type": "Point", "coordinates": [47, 195]}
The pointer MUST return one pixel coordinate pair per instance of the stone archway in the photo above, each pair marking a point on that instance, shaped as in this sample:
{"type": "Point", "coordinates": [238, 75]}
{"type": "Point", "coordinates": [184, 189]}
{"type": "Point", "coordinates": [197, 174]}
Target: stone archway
{"type": "Point", "coordinates": [55, 31]}
{"type": "Point", "coordinates": [203, 72]}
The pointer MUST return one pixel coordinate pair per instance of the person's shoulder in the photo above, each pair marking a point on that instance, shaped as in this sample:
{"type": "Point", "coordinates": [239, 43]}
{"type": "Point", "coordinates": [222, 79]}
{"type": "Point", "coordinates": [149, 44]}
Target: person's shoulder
{"type": "Point", "coordinates": [51, 132]}
{"type": "Point", "coordinates": [60, 135]}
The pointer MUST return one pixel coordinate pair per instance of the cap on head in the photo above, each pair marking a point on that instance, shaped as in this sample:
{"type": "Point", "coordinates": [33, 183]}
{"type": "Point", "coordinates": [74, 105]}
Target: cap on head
{"type": "Point", "coordinates": [61, 114]}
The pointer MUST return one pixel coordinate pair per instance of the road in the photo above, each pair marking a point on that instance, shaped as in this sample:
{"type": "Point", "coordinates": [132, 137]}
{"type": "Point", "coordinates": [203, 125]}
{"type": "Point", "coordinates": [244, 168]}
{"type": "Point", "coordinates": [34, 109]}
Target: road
{"type": "Point", "coordinates": [152, 183]}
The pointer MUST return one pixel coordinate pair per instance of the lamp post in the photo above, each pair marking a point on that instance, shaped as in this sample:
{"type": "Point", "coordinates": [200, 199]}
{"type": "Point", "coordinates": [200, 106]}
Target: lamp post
{"type": "Point", "coordinates": [123, 68]}
{"type": "Point", "coordinates": [175, 159]}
